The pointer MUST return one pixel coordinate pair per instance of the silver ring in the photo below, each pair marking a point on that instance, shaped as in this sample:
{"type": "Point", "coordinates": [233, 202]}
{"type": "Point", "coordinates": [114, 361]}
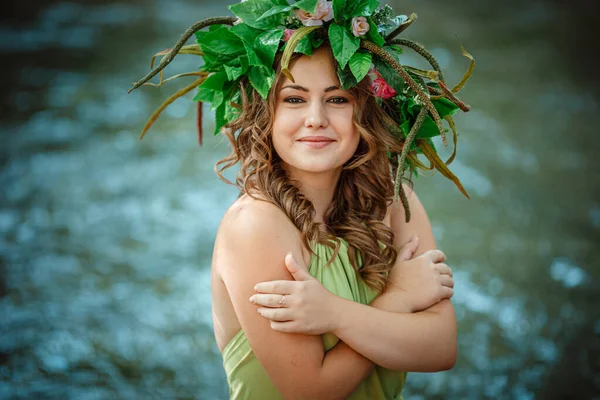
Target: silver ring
{"type": "Point", "coordinates": [282, 301]}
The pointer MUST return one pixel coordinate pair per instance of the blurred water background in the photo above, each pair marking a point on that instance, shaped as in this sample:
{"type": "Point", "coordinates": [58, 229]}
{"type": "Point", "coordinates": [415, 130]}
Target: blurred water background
{"type": "Point", "coordinates": [106, 242]}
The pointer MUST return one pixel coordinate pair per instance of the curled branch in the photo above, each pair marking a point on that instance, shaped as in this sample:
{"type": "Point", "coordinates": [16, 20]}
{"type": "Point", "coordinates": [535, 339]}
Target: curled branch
{"type": "Point", "coordinates": [186, 35]}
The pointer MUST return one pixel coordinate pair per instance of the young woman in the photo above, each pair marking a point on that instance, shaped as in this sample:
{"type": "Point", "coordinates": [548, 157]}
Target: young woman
{"type": "Point", "coordinates": [323, 285]}
{"type": "Point", "coordinates": [322, 165]}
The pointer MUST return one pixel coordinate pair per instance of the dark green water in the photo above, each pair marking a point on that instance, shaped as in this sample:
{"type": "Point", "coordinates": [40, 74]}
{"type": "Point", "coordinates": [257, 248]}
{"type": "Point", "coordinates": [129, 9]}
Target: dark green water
{"type": "Point", "coordinates": [105, 242]}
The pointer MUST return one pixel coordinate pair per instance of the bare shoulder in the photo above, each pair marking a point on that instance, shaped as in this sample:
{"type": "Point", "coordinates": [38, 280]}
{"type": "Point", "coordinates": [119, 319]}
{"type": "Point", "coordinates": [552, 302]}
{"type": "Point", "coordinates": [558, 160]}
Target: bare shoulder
{"type": "Point", "coordinates": [252, 219]}
{"type": "Point", "coordinates": [254, 228]}
{"type": "Point", "coordinates": [419, 222]}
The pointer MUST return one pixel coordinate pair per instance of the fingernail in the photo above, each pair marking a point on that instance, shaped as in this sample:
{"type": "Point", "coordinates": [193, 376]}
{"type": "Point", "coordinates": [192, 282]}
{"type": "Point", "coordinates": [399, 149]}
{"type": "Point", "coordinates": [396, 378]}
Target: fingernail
{"type": "Point", "coordinates": [259, 310]}
{"type": "Point", "coordinates": [255, 288]}
{"type": "Point", "coordinates": [251, 299]}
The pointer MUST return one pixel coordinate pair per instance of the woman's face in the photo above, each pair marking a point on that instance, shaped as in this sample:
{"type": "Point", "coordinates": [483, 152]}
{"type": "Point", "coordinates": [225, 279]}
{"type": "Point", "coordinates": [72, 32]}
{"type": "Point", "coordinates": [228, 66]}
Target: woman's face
{"type": "Point", "coordinates": [313, 130]}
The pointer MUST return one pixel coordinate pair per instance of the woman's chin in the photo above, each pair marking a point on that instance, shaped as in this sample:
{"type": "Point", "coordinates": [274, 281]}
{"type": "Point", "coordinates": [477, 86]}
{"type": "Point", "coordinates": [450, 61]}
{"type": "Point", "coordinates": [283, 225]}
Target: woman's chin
{"type": "Point", "coordinates": [316, 167]}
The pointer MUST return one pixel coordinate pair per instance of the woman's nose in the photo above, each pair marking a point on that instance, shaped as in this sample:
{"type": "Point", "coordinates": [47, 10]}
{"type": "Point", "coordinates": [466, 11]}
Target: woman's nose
{"type": "Point", "coordinates": [316, 116]}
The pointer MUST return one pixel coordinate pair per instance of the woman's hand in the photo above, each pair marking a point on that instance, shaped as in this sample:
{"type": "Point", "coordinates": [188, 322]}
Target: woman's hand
{"type": "Point", "coordinates": [300, 306]}
{"type": "Point", "coordinates": [421, 281]}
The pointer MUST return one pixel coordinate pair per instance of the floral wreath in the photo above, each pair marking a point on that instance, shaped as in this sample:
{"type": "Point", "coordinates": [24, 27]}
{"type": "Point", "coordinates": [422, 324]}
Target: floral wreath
{"type": "Point", "coordinates": [241, 50]}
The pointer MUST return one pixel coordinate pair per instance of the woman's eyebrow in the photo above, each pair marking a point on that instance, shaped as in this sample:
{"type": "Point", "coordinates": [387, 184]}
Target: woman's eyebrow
{"type": "Point", "coordinates": [303, 89]}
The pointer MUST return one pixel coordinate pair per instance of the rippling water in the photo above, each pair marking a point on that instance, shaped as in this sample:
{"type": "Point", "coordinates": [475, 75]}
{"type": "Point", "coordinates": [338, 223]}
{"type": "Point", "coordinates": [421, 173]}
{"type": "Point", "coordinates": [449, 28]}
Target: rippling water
{"type": "Point", "coordinates": [105, 242]}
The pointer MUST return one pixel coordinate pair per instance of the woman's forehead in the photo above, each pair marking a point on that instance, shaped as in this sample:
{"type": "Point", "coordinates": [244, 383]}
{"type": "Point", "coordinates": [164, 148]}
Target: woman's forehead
{"type": "Point", "coordinates": [312, 73]}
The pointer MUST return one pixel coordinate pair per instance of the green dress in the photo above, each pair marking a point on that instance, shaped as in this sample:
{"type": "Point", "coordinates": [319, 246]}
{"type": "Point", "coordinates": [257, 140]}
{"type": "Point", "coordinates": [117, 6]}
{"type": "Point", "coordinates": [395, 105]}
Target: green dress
{"type": "Point", "coordinates": [248, 380]}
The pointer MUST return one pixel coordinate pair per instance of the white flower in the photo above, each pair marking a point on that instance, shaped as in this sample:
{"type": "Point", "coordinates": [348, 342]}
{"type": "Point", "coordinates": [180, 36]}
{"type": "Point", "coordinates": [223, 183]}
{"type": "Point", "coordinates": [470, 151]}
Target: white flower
{"type": "Point", "coordinates": [323, 13]}
{"type": "Point", "coordinates": [360, 26]}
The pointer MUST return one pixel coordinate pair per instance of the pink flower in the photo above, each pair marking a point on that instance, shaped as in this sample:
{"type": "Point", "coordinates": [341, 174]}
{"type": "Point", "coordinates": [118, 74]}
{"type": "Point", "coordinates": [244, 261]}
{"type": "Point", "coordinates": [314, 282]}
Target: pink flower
{"type": "Point", "coordinates": [360, 26]}
{"type": "Point", "coordinates": [323, 12]}
{"type": "Point", "coordinates": [380, 88]}
{"type": "Point", "coordinates": [287, 34]}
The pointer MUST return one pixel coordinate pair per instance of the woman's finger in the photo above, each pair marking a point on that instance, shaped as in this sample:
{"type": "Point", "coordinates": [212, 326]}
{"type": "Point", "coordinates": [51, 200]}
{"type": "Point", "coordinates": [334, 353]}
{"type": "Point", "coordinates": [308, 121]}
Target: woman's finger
{"type": "Point", "coordinates": [283, 326]}
{"type": "Point", "coordinates": [448, 292]}
{"type": "Point", "coordinates": [444, 269]}
{"type": "Point", "coordinates": [276, 314]}
{"type": "Point", "coordinates": [447, 281]}
{"type": "Point", "coordinates": [437, 256]}
{"type": "Point", "coordinates": [276, 287]}
{"type": "Point", "coordinates": [407, 251]}
{"type": "Point", "coordinates": [269, 300]}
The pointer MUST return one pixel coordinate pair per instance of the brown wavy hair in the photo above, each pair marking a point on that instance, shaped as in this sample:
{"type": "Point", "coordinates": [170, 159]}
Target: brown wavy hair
{"type": "Point", "coordinates": [363, 192]}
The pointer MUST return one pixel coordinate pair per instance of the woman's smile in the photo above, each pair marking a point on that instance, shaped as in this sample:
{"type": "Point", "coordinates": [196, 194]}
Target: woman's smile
{"type": "Point", "coordinates": [317, 142]}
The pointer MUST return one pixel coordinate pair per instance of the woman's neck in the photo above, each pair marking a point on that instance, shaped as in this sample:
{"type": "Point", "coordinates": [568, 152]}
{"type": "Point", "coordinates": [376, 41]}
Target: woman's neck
{"type": "Point", "coordinates": [318, 188]}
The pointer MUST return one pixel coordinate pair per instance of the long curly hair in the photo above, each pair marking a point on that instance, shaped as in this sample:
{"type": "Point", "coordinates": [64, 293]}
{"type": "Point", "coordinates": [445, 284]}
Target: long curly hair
{"type": "Point", "coordinates": [363, 192]}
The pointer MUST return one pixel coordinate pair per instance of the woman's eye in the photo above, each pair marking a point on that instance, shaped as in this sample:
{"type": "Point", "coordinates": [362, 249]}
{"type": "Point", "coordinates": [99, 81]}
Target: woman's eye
{"type": "Point", "coordinates": [293, 100]}
{"type": "Point", "coordinates": [338, 100]}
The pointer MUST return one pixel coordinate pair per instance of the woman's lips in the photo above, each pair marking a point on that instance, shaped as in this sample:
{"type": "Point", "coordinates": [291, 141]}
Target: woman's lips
{"type": "Point", "coordinates": [316, 142]}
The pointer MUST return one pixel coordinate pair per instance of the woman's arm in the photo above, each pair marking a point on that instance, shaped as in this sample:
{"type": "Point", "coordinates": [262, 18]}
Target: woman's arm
{"type": "Point", "coordinates": [424, 341]}
{"type": "Point", "coordinates": [253, 239]}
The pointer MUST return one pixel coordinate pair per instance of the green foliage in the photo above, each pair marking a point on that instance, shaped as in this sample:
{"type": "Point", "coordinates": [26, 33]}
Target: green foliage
{"type": "Point", "coordinates": [359, 64]}
{"type": "Point", "coordinates": [261, 79]}
{"type": "Point", "coordinates": [252, 11]}
{"type": "Point", "coordinates": [346, 77]}
{"type": "Point", "coordinates": [304, 46]}
{"type": "Point", "coordinates": [338, 10]}
{"type": "Point", "coordinates": [307, 5]}
{"type": "Point", "coordinates": [266, 46]}
{"type": "Point", "coordinates": [360, 8]}
{"type": "Point", "coordinates": [211, 90]}
{"type": "Point", "coordinates": [373, 35]}
{"type": "Point", "coordinates": [279, 9]}
{"type": "Point", "coordinates": [389, 74]}
{"type": "Point", "coordinates": [343, 43]}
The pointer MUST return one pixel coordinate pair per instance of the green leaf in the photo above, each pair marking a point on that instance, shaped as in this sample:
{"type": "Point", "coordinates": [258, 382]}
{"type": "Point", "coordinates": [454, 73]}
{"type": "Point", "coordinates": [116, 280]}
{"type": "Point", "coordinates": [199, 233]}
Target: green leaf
{"type": "Point", "coordinates": [307, 5]}
{"type": "Point", "coordinates": [220, 120]}
{"type": "Point", "coordinates": [213, 62]}
{"type": "Point", "coordinates": [445, 107]}
{"type": "Point", "coordinates": [211, 90]}
{"type": "Point", "coordinates": [396, 48]}
{"type": "Point", "coordinates": [360, 63]}
{"type": "Point", "coordinates": [428, 129]}
{"type": "Point", "coordinates": [245, 32]}
{"type": "Point", "coordinates": [266, 46]}
{"type": "Point", "coordinates": [251, 10]}
{"type": "Point", "coordinates": [215, 81]}
{"type": "Point", "coordinates": [389, 74]}
{"type": "Point", "coordinates": [346, 77]}
{"type": "Point", "coordinates": [220, 40]}
{"type": "Point", "coordinates": [407, 106]}
{"type": "Point", "coordinates": [261, 79]}
{"type": "Point", "coordinates": [343, 44]}
{"type": "Point", "coordinates": [338, 10]}
{"type": "Point", "coordinates": [316, 40]}
{"type": "Point", "coordinates": [234, 72]}
{"type": "Point", "coordinates": [304, 46]}
{"type": "Point", "coordinates": [373, 35]}
{"type": "Point", "coordinates": [360, 8]}
{"type": "Point", "coordinates": [253, 58]}
{"type": "Point", "coordinates": [405, 126]}
{"type": "Point", "coordinates": [274, 11]}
